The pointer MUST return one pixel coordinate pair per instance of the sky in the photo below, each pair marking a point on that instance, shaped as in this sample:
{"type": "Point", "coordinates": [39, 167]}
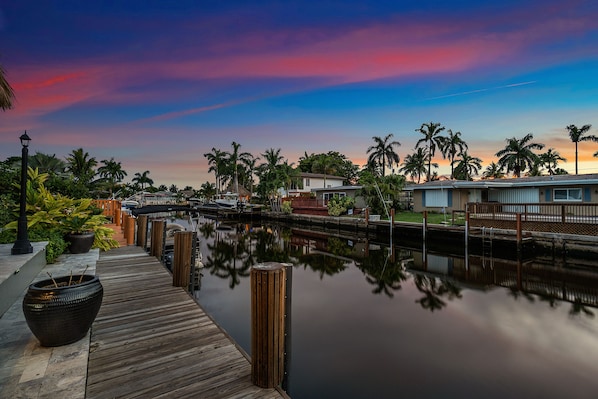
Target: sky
{"type": "Point", "coordinates": [157, 84]}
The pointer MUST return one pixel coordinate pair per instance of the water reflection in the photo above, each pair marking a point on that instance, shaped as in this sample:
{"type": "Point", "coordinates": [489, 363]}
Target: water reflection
{"type": "Point", "coordinates": [365, 312]}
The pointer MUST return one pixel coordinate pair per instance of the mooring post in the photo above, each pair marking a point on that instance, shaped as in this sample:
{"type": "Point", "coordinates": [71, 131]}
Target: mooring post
{"type": "Point", "coordinates": [141, 230]}
{"type": "Point", "coordinates": [157, 233]}
{"type": "Point", "coordinates": [425, 225]}
{"type": "Point", "coordinates": [117, 216]}
{"type": "Point", "coordinates": [130, 230]}
{"type": "Point", "coordinates": [367, 216]}
{"type": "Point", "coordinates": [519, 235]}
{"type": "Point", "coordinates": [287, 326]}
{"type": "Point", "coordinates": [181, 265]}
{"type": "Point", "coordinates": [268, 287]}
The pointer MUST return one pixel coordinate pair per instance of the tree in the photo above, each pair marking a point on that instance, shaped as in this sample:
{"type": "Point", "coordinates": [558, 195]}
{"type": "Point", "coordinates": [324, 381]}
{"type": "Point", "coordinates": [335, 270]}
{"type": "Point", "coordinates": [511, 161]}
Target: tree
{"type": "Point", "coordinates": [383, 152]}
{"type": "Point", "coordinates": [550, 160]}
{"type": "Point", "coordinates": [113, 172]}
{"type": "Point", "coordinates": [233, 159]}
{"type": "Point", "coordinates": [325, 165]}
{"type": "Point", "coordinates": [518, 154]}
{"type": "Point", "coordinates": [46, 163]}
{"type": "Point", "coordinates": [451, 146]}
{"type": "Point", "coordinates": [493, 171]}
{"type": "Point", "coordinates": [269, 174]}
{"type": "Point", "coordinates": [414, 165]}
{"type": "Point", "coordinates": [577, 134]}
{"type": "Point", "coordinates": [142, 179]}
{"type": "Point", "coordinates": [7, 95]}
{"type": "Point", "coordinates": [314, 163]}
{"type": "Point", "coordinates": [432, 140]}
{"type": "Point", "coordinates": [81, 165]}
{"type": "Point", "coordinates": [216, 160]}
{"type": "Point", "coordinates": [467, 166]}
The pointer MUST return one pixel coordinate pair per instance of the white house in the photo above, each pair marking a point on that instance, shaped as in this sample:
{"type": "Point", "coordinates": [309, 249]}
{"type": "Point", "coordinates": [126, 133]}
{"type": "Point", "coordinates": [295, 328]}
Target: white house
{"type": "Point", "coordinates": [309, 181]}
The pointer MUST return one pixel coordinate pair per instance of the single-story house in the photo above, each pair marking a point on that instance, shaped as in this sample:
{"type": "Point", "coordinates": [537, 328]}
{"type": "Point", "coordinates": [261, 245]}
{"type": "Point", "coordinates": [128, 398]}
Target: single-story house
{"type": "Point", "coordinates": [449, 195]}
{"type": "Point", "coordinates": [324, 194]}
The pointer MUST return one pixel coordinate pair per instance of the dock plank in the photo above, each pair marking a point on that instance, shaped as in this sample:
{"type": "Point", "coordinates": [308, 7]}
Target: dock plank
{"type": "Point", "coordinates": [152, 340]}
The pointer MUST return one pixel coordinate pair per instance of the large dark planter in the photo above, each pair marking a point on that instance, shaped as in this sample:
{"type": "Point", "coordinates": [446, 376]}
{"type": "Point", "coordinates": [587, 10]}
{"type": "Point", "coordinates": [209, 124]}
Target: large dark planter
{"type": "Point", "coordinates": [80, 243]}
{"type": "Point", "coordinates": [60, 316]}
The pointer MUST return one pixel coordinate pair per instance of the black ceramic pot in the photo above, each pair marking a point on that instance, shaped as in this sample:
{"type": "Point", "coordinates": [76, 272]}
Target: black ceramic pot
{"type": "Point", "coordinates": [80, 243]}
{"type": "Point", "coordinates": [60, 316]}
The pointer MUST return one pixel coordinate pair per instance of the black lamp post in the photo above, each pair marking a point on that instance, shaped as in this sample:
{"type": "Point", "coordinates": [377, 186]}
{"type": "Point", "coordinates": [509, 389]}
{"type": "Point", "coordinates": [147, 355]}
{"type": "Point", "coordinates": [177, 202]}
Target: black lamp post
{"type": "Point", "coordinates": [22, 245]}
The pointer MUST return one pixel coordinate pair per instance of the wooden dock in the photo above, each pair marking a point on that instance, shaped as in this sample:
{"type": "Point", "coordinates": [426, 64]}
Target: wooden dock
{"type": "Point", "coordinates": [151, 339]}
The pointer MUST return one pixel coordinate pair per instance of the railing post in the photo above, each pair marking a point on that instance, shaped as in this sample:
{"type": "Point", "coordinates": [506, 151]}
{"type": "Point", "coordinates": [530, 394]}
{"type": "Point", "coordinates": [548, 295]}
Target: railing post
{"type": "Point", "coordinates": [367, 216]}
{"type": "Point", "coordinates": [563, 214]}
{"type": "Point", "coordinates": [519, 235]}
{"type": "Point", "coordinates": [268, 287]}
{"type": "Point", "coordinates": [181, 265]}
{"type": "Point", "coordinates": [117, 216]}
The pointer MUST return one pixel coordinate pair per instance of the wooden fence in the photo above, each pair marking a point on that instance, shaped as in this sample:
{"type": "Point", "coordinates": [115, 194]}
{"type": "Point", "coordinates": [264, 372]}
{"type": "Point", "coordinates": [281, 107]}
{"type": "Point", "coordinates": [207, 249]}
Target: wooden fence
{"type": "Point", "coordinates": [579, 219]}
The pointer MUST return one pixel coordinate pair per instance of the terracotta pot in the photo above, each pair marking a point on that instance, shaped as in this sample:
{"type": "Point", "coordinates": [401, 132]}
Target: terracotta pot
{"type": "Point", "coordinates": [80, 243]}
{"type": "Point", "coordinates": [62, 315]}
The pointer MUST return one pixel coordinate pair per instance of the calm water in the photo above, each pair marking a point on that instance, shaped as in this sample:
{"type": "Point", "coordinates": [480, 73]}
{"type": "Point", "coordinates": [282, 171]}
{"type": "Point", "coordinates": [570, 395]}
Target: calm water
{"type": "Point", "coordinates": [368, 322]}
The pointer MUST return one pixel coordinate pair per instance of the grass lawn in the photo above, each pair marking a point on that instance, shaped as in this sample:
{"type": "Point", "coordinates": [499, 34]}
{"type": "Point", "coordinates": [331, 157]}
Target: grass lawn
{"type": "Point", "coordinates": [433, 218]}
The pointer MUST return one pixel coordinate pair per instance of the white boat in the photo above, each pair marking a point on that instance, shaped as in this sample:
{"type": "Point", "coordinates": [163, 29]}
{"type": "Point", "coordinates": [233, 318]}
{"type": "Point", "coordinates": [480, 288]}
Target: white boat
{"type": "Point", "coordinates": [229, 200]}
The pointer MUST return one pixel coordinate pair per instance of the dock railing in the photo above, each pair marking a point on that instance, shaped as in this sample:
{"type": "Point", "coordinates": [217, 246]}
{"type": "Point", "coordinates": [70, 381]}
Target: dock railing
{"type": "Point", "coordinates": [579, 219]}
{"type": "Point", "coordinates": [110, 208]}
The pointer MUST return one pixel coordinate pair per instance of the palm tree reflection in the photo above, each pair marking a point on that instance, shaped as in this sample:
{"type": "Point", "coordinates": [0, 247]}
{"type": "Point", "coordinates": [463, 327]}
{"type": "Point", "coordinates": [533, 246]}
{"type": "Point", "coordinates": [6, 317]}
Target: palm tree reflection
{"type": "Point", "coordinates": [434, 289]}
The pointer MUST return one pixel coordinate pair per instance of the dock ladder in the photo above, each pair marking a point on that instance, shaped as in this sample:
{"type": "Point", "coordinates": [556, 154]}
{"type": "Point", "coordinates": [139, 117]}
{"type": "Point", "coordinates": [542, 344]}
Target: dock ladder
{"type": "Point", "coordinates": [487, 256]}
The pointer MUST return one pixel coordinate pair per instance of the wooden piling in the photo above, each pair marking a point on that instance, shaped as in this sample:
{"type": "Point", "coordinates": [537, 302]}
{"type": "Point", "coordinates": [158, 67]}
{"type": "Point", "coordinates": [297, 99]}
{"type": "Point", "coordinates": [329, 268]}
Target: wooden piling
{"type": "Point", "coordinates": [425, 225]}
{"type": "Point", "coordinates": [158, 228]}
{"type": "Point", "coordinates": [117, 216]}
{"type": "Point", "coordinates": [130, 230]}
{"type": "Point", "coordinates": [181, 264]}
{"type": "Point", "coordinates": [268, 287]}
{"type": "Point", "coordinates": [141, 230]}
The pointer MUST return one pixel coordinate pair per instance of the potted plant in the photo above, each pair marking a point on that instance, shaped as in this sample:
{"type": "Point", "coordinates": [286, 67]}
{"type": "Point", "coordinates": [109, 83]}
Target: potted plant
{"type": "Point", "coordinates": [60, 311]}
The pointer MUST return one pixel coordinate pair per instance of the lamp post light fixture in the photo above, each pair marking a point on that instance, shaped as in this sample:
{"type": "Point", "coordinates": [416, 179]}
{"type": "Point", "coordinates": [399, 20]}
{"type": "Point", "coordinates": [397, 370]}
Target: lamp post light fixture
{"type": "Point", "coordinates": [22, 245]}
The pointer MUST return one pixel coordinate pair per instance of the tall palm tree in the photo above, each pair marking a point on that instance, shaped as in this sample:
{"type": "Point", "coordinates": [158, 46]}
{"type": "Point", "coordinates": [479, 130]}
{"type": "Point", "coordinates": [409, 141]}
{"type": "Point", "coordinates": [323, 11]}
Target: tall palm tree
{"type": "Point", "coordinates": [216, 160]}
{"type": "Point", "coordinates": [518, 154]}
{"type": "Point", "coordinates": [142, 179]}
{"type": "Point", "coordinates": [233, 160]}
{"type": "Point", "coordinates": [432, 140]}
{"type": "Point", "coordinates": [113, 172]}
{"type": "Point", "coordinates": [81, 165]}
{"type": "Point", "coordinates": [467, 166]}
{"type": "Point", "coordinates": [249, 166]}
{"type": "Point", "coordinates": [550, 160]}
{"type": "Point", "coordinates": [414, 164]}
{"type": "Point", "coordinates": [324, 164]}
{"type": "Point", "coordinates": [268, 172]}
{"type": "Point", "coordinates": [493, 171]}
{"type": "Point", "coordinates": [7, 95]}
{"type": "Point", "coordinates": [383, 152]}
{"type": "Point", "coordinates": [451, 146]}
{"type": "Point", "coordinates": [577, 134]}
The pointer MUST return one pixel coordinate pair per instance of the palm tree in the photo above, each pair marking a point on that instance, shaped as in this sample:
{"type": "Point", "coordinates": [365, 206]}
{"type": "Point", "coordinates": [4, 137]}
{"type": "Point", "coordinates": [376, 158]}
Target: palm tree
{"type": "Point", "coordinates": [432, 139]}
{"type": "Point", "coordinates": [233, 160]}
{"type": "Point", "coordinates": [142, 179]}
{"type": "Point", "coordinates": [383, 152]}
{"type": "Point", "coordinates": [577, 134]}
{"type": "Point", "coordinates": [414, 164]}
{"type": "Point", "coordinates": [268, 172]}
{"type": "Point", "coordinates": [550, 160]}
{"type": "Point", "coordinates": [6, 92]}
{"type": "Point", "coordinates": [113, 172]}
{"type": "Point", "coordinates": [467, 166]}
{"type": "Point", "coordinates": [46, 163]}
{"type": "Point", "coordinates": [493, 171]}
{"type": "Point", "coordinates": [452, 145]}
{"type": "Point", "coordinates": [216, 160]}
{"type": "Point", "coordinates": [518, 155]}
{"type": "Point", "coordinates": [324, 164]}
{"type": "Point", "coordinates": [81, 166]}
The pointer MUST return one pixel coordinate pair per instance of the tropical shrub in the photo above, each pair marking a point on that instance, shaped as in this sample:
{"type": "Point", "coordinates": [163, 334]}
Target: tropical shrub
{"type": "Point", "coordinates": [339, 205]}
{"type": "Point", "coordinates": [286, 207]}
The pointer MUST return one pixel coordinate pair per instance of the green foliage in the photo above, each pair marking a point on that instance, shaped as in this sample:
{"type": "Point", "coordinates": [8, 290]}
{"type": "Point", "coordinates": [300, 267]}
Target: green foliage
{"type": "Point", "coordinates": [56, 244]}
{"type": "Point", "coordinates": [339, 205]}
{"type": "Point", "coordinates": [286, 207]}
{"type": "Point", "coordinates": [7, 206]}
{"type": "Point", "coordinates": [62, 215]}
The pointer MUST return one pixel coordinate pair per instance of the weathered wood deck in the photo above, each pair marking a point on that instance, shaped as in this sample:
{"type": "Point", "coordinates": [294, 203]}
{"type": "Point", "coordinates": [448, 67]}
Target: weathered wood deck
{"type": "Point", "coordinates": [151, 339]}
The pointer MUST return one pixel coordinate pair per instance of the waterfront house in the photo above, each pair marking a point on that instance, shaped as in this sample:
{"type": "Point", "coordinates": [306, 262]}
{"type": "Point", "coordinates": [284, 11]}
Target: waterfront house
{"type": "Point", "coordinates": [449, 195]}
{"type": "Point", "coordinates": [309, 181]}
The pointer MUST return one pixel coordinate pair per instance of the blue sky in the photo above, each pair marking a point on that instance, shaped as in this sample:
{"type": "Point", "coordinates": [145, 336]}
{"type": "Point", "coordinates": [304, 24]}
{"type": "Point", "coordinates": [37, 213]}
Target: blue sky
{"type": "Point", "coordinates": [156, 85]}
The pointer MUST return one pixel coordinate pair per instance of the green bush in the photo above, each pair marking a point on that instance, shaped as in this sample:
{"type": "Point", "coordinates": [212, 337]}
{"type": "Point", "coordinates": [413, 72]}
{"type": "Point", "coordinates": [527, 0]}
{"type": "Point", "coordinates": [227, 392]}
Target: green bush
{"type": "Point", "coordinates": [339, 205]}
{"type": "Point", "coordinates": [56, 244]}
{"type": "Point", "coordinates": [286, 207]}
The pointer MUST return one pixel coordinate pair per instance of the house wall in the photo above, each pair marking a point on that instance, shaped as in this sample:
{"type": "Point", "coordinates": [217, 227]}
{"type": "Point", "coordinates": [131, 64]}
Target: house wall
{"type": "Point", "coordinates": [315, 182]}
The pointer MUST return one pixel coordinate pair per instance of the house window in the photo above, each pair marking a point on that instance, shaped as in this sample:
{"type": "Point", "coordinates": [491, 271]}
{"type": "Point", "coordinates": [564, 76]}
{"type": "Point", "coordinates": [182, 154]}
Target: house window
{"type": "Point", "coordinates": [437, 198]}
{"type": "Point", "coordinates": [567, 194]}
{"type": "Point", "coordinates": [328, 196]}
{"type": "Point", "coordinates": [307, 182]}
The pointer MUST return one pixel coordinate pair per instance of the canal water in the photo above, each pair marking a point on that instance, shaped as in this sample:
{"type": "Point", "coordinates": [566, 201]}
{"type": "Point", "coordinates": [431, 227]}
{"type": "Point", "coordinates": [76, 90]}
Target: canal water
{"type": "Point", "coordinates": [371, 320]}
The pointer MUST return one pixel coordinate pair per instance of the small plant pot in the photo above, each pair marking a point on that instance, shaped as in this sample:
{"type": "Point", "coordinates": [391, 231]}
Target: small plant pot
{"type": "Point", "coordinates": [80, 243]}
{"type": "Point", "coordinates": [62, 315]}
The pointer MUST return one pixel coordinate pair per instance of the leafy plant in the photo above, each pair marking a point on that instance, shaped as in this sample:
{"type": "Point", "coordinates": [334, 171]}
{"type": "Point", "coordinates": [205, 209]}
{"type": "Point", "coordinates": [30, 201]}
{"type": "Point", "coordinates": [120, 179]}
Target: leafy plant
{"type": "Point", "coordinates": [286, 207]}
{"type": "Point", "coordinates": [339, 205]}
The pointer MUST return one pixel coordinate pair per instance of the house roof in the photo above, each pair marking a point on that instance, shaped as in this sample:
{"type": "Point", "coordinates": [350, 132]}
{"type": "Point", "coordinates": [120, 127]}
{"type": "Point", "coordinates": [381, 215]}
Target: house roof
{"type": "Point", "coordinates": [535, 181]}
{"type": "Point", "coordinates": [321, 175]}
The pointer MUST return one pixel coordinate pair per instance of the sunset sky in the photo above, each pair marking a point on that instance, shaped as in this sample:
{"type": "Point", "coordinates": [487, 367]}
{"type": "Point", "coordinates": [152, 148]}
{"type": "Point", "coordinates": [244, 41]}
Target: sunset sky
{"type": "Point", "coordinates": [157, 84]}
